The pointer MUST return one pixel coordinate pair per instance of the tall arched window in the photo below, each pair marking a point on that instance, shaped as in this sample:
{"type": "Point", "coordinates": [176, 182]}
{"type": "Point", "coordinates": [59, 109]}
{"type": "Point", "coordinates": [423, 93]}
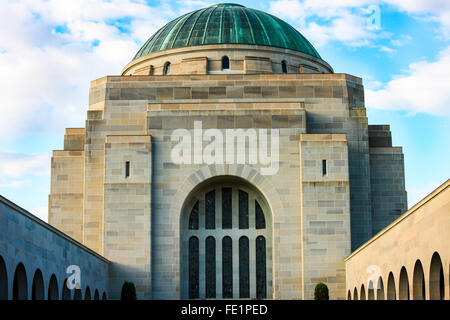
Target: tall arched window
{"type": "Point", "coordinates": [166, 69]}
{"type": "Point", "coordinates": [243, 210]}
{"type": "Point", "coordinates": [227, 267]}
{"type": "Point", "coordinates": [193, 268]}
{"type": "Point", "coordinates": [261, 281]}
{"type": "Point", "coordinates": [193, 218]}
{"type": "Point", "coordinates": [210, 271]}
{"type": "Point", "coordinates": [225, 63]}
{"type": "Point", "coordinates": [151, 71]}
{"type": "Point", "coordinates": [226, 243]}
{"type": "Point", "coordinates": [244, 268]}
{"type": "Point", "coordinates": [284, 66]}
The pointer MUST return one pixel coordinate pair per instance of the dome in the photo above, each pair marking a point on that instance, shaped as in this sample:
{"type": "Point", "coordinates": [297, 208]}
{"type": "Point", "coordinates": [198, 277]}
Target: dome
{"type": "Point", "coordinates": [227, 23]}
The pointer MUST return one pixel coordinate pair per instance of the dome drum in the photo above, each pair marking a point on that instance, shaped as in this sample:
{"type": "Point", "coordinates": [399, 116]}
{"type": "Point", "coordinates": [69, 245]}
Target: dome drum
{"type": "Point", "coordinates": [243, 59]}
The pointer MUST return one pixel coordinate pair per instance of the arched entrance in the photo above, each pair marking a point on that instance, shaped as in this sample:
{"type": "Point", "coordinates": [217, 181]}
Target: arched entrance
{"type": "Point", "coordinates": [418, 282]}
{"type": "Point", "coordinates": [38, 289]}
{"type": "Point", "coordinates": [53, 292]}
{"type": "Point", "coordinates": [436, 278]}
{"type": "Point", "coordinates": [355, 294]}
{"type": "Point", "coordinates": [96, 295]}
{"type": "Point", "coordinates": [3, 280]}
{"type": "Point", "coordinates": [20, 284]}
{"type": "Point", "coordinates": [226, 241]}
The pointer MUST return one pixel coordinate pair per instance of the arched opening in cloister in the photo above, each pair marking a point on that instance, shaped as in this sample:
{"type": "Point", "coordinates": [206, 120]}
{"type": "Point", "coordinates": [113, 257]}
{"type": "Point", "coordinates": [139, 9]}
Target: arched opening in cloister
{"type": "Point", "coordinates": [66, 294]}
{"type": "Point", "coordinates": [3, 280]}
{"type": "Point", "coordinates": [20, 283]}
{"type": "Point", "coordinates": [391, 290]}
{"type": "Point", "coordinates": [370, 291]}
{"type": "Point", "coordinates": [437, 291]}
{"type": "Point", "coordinates": [380, 289]}
{"type": "Point", "coordinates": [362, 294]}
{"type": "Point", "coordinates": [418, 282]}
{"type": "Point", "coordinates": [53, 292]}
{"type": "Point", "coordinates": [38, 289]}
{"type": "Point", "coordinates": [403, 285]}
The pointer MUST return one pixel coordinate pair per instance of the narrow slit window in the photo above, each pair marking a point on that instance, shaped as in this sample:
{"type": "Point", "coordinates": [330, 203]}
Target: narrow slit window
{"type": "Point", "coordinates": [210, 210]}
{"type": "Point", "coordinates": [193, 218]}
{"type": "Point", "coordinates": [127, 169]}
{"type": "Point", "coordinates": [227, 215]}
{"type": "Point", "coordinates": [243, 210]}
{"type": "Point", "coordinates": [284, 66]}
{"type": "Point", "coordinates": [244, 268]}
{"type": "Point", "coordinates": [227, 268]}
{"type": "Point", "coordinates": [324, 167]}
{"type": "Point", "coordinates": [166, 69]}
{"type": "Point", "coordinates": [225, 63]}
{"type": "Point", "coordinates": [260, 220]}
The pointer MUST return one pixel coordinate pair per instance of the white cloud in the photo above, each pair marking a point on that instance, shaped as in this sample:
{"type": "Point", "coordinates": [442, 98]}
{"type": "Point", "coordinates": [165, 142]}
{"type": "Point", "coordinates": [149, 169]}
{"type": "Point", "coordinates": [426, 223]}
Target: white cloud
{"type": "Point", "coordinates": [322, 21]}
{"type": "Point", "coordinates": [14, 183]}
{"type": "Point", "coordinates": [435, 10]}
{"type": "Point", "coordinates": [425, 87]}
{"type": "Point", "coordinates": [16, 165]}
{"type": "Point", "coordinates": [346, 20]}
{"type": "Point", "coordinates": [46, 72]}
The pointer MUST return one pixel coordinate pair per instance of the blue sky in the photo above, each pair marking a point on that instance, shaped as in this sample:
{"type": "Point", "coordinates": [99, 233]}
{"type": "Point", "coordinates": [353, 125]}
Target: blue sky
{"type": "Point", "coordinates": [50, 50]}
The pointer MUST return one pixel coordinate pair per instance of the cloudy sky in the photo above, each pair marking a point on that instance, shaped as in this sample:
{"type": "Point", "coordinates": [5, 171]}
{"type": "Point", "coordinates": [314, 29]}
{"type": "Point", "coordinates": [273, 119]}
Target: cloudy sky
{"type": "Point", "coordinates": [50, 50]}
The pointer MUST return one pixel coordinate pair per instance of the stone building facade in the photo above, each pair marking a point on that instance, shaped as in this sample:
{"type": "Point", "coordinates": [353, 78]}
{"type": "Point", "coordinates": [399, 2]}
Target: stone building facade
{"type": "Point", "coordinates": [36, 260]}
{"type": "Point", "coordinates": [194, 228]}
{"type": "Point", "coordinates": [407, 260]}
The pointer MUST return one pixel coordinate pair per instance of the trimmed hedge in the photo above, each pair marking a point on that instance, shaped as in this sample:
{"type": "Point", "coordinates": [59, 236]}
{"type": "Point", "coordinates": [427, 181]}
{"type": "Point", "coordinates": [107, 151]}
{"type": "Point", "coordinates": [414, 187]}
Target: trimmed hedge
{"type": "Point", "coordinates": [128, 291]}
{"type": "Point", "coordinates": [321, 292]}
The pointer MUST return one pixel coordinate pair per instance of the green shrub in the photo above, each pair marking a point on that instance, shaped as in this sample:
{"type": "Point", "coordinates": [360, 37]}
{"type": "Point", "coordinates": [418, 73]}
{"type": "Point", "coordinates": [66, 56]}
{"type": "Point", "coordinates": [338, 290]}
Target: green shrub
{"type": "Point", "coordinates": [321, 292]}
{"type": "Point", "coordinates": [128, 291]}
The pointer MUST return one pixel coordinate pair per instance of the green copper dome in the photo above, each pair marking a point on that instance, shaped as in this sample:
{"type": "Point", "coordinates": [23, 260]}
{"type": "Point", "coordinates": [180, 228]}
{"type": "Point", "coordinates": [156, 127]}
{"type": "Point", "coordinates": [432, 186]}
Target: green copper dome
{"type": "Point", "coordinates": [227, 23]}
